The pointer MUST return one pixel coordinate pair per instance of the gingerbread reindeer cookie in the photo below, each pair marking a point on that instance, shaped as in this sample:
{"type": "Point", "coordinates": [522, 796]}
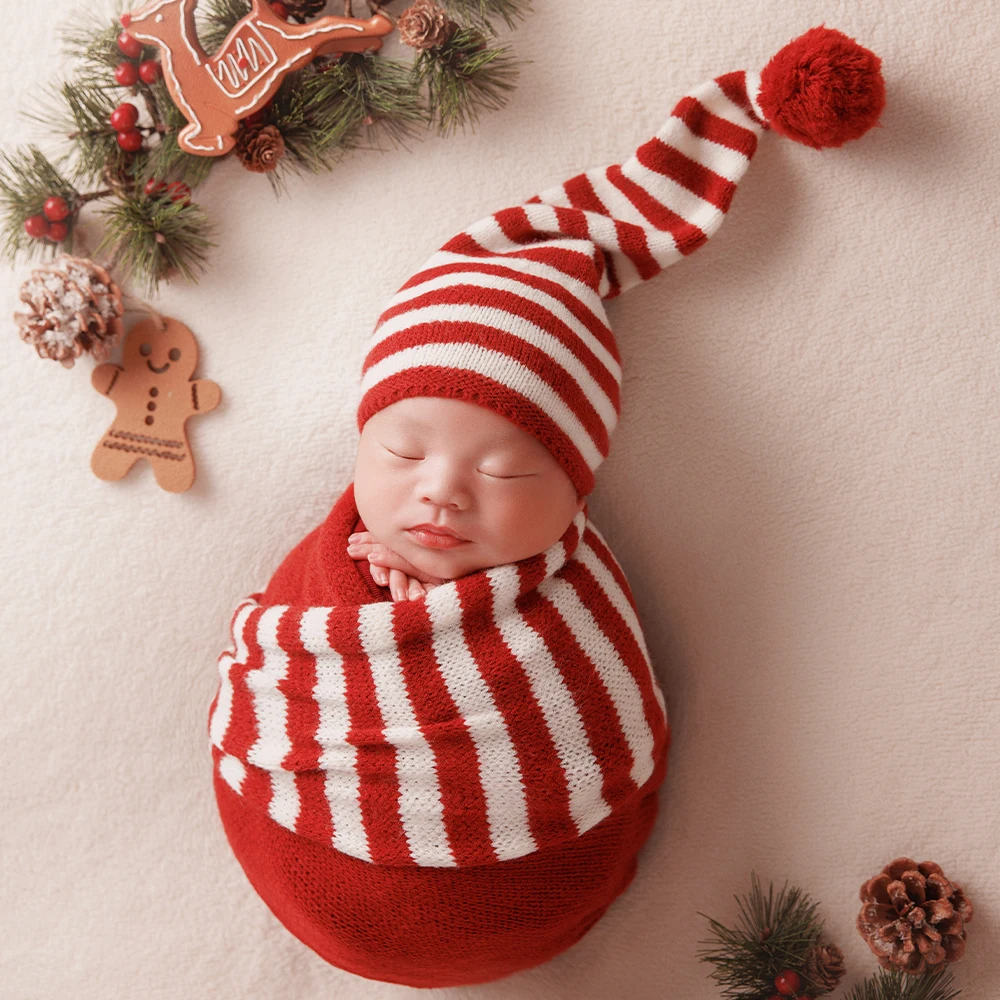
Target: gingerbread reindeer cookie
{"type": "Point", "coordinates": [155, 394]}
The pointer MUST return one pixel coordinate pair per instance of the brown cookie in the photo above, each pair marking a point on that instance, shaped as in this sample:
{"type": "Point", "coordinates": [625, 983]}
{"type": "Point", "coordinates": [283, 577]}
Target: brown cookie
{"type": "Point", "coordinates": [215, 92]}
{"type": "Point", "coordinates": [155, 395]}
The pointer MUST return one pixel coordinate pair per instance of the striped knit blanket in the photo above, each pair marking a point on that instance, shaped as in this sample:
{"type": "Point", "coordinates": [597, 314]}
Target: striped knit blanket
{"type": "Point", "coordinates": [507, 711]}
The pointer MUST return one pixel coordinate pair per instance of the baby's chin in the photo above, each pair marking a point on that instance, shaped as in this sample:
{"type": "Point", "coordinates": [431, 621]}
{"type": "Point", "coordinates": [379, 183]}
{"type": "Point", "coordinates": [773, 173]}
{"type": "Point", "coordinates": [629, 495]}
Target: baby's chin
{"type": "Point", "coordinates": [445, 563]}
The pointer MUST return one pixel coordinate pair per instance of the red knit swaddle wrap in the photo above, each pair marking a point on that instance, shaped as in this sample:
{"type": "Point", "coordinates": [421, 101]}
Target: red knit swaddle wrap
{"type": "Point", "coordinates": [441, 791]}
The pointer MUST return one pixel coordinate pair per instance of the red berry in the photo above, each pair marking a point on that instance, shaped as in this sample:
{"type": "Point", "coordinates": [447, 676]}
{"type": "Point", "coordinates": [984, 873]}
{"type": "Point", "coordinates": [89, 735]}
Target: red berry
{"type": "Point", "coordinates": [124, 117]}
{"type": "Point", "coordinates": [130, 140]}
{"type": "Point", "coordinates": [57, 231]}
{"type": "Point", "coordinates": [129, 46]}
{"type": "Point", "coordinates": [178, 190]}
{"type": "Point", "coordinates": [126, 74]}
{"type": "Point", "coordinates": [280, 9]}
{"type": "Point", "coordinates": [154, 187]}
{"type": "Point", "coordinates": [126, 20]}
{"type": "Point", "coordinates": [55, 209]}
{"type": "Point", "coordinates": [788, 982]}
{"type": "Point", "coordinates": [149, 71]}
{"type": "Point", "coordinates": [36, 226]}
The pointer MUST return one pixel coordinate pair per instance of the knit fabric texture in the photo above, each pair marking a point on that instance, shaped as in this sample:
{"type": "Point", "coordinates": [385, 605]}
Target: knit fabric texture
{"type": "Point", "coordinates": [503, 736]}
{"type": "Point", "coordinates": [509, 313]}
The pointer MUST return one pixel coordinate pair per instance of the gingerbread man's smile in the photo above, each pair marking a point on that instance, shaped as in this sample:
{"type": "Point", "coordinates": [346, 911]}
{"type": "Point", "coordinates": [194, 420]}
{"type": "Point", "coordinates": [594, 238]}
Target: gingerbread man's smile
{"type": "Point", "coordinates": [159, 371]}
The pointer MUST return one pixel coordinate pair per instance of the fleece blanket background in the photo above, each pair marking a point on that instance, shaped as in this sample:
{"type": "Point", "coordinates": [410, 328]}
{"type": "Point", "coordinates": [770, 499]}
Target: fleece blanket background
{"type": "Point", "coordinates": [803, 492]}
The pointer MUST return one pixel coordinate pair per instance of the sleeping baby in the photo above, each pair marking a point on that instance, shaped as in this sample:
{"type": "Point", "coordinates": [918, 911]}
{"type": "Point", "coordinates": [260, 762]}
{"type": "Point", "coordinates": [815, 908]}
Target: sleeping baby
{"type": "Point", "coordinates": [438, 738]}
{"type": "Point", "coordinates": [446, 487]}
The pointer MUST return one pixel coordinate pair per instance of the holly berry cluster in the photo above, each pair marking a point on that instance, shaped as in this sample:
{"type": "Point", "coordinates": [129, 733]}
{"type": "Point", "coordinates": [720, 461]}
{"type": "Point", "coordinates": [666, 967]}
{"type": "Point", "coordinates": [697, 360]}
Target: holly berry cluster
{"type": "Point", "coordinates": [49, 224]}
{"type": "Point", "coordinates": [788, 983]}
{"type": "Point", "coordinates": [127, 74]}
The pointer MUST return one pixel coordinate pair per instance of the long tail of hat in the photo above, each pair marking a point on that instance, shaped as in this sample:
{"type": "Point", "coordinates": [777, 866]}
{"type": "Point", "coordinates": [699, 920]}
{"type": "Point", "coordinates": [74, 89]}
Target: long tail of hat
{"type": "Point", "coordinates": [635, 218]}
{"type": "Point", "coordinates": [509, 314]}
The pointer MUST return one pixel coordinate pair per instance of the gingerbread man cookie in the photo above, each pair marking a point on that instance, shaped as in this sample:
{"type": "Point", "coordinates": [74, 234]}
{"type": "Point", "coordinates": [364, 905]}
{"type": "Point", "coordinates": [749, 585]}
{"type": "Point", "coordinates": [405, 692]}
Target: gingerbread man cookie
{"type": "Point", "coordinates": [155, 395]}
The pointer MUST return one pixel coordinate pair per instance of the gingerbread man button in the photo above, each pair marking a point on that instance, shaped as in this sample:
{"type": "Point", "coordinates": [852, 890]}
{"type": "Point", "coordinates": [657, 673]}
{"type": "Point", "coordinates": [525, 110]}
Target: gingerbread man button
{"type": "Point", "coordinates": [155, 394]}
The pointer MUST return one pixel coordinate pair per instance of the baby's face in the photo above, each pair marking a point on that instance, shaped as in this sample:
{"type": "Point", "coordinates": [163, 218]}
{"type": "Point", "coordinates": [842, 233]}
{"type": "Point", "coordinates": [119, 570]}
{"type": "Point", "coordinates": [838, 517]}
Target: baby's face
{"type": "Point", "coordinates": [452, 463]}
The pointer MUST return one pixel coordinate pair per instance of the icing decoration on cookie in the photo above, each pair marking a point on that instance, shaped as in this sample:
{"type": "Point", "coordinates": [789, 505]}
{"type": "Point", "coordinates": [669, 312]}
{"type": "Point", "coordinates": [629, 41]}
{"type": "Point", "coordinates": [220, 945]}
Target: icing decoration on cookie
{"type": "Point", "coordinates": [215, 92]}
{"type": "Point", "coordinates": [155, 395]}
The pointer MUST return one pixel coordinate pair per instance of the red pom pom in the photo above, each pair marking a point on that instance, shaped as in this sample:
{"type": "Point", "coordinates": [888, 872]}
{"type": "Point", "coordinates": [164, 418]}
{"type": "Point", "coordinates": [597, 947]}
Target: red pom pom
{"type": "Point", "coordinates": [822, 89]}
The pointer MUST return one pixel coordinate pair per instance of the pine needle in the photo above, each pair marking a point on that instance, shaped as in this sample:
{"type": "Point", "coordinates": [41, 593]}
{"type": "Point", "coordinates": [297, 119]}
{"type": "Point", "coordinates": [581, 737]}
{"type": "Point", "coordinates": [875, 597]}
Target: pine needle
{"type": "Point", "coordinates": [91, 37]}
{"type": "Point", "coordinates": [775, 935]}
{"type": "Point", "coordinates": [478, 13]}
{"type": "Point", "coordinates": [895, 985]}
{"type": "Point", "coordinates": [133, 224]}
{"type": "Point", "coordinates": [464, 77]}
{"type": "Point", "coordinates": [216, 21]}
{"type": "Point", "coordinates": [27, 178]}
{"type": "Point", "coordinates": [81, 112]}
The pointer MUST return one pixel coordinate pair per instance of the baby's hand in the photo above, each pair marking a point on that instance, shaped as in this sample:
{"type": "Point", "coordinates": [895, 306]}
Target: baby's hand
{"type": "Point", "coordinates": [405, 581]}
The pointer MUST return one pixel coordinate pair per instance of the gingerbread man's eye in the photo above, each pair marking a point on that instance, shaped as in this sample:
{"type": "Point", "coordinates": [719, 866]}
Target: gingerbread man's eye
{"type": "Point", "coordinates": [174, 354]}
{"type": "Point", "coordinates": [145, 350]}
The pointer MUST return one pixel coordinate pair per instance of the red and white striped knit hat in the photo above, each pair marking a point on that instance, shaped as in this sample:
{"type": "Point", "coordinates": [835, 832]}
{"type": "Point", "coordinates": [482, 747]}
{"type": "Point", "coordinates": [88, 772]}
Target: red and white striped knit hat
{"type": "Point", "coordinates": [508, 314]}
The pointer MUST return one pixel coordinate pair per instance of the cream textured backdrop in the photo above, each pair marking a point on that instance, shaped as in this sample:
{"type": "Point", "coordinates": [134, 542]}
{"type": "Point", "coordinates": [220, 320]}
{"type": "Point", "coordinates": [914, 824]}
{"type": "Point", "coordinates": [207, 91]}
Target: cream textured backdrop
{"type": "Point", "coordinates": [803, 492]}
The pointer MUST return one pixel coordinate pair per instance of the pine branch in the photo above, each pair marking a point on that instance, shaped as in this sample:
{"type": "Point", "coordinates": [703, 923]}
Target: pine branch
{"type": "Point", "coordinates": [336, 101]}
{"type": "Point", "coordinates": [896, 985]}
{"type": "Point", "coordinates": [776, 934]}
{"type": "Point", "coordinates": [217, 20]}
{"type": "Point", "coordinates": [83, 115]}
{"type": "Point", "coordinates": [27, 178]}
{"type": "Point", "coordinates": [152, 238]}
{"type": "Point", "coordinates": [464, 76]}
{"type": "Point", "coordinates": [478, 13]}
{"type": "Point", "coordinates": [91, 38]}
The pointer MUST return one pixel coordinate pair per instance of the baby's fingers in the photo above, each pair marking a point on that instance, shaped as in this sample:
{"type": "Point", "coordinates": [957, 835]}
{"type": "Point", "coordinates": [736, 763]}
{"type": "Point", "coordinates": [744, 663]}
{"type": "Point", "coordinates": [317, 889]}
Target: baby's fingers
{"type": "Point", "coordinates": [398, 585]}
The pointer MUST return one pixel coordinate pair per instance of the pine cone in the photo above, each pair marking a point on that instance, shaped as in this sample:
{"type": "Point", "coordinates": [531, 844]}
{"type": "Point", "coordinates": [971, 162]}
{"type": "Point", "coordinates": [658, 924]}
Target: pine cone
{"type": "Point", "coordinates": [301, 10]}
{"type": "Point", "coordinates": [425, 25]}
{"type": "Point", "coordinates": [75, 307]}
{"type": "Point", "coordinates": [912, 917]}
{"type": "Point", "coordinates": [824, 965]}
{"type": "Point", "coordinates": [259, 147]}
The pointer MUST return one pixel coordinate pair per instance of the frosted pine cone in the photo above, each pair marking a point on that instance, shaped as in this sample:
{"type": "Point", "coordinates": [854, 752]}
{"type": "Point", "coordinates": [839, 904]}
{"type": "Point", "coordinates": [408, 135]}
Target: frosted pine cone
{"type": "Point", "coordinates": [912, 917]}
{"type": "Point", "coordinates": [75, 307]}
{"type": "Point", "coordinates": [425, 25]}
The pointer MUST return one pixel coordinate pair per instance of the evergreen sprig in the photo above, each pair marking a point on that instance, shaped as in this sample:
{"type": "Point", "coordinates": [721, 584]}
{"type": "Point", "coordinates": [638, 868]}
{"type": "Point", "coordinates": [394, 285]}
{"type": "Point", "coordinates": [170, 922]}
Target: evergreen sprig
{"type": "Point", "coordinates": [90, 37]}
{"type": "Point", "coordinates": [895, 985]}
{"type": "Point", "coordinates": [327, 108]}
{"type": "Point", "coordinates": [81, 110]}
{"type": "Point", "coordinates": [27, 178]}
{"type": "Point", "coordinates": [151, 238]}
{"type": "Point", "coordinates": [465, 76]}
{"type": "Point", "coordinates": [480, 13]}
{"type": "Point", "coordinates": [775, 935]}
{"type": "Point", "coordinates": [218, 18]}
